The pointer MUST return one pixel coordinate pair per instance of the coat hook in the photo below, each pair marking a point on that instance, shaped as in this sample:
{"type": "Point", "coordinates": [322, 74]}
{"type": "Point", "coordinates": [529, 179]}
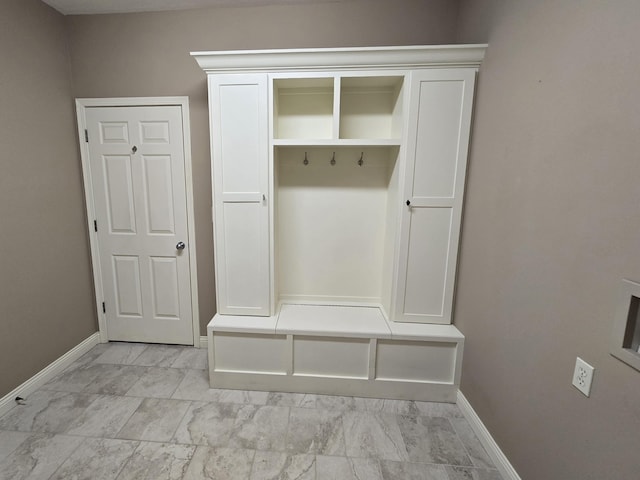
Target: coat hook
{"type": "Point", "coordinates": [305, 161]}
{"type": "Point", "coordinates": [333, 159]}
{"type": "Point", "coordinates": [361, 161]}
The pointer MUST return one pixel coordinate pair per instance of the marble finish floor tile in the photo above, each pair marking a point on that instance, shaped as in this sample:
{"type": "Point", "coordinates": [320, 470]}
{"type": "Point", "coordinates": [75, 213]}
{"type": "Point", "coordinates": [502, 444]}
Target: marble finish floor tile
{"type": "Point", "coordinates": [158, 461]}
{"type": "Point", "coordinates": [121, 353]}
{"type": "Point", "coordinates": [374, 435]}
{"type": "Point", "coordinates": [435, 409]}
{"type": "Point", "coordinates": [244, 397]}
{"type": "Point", "coordinates": [207, 423]}
{"type": "Point", "coordinates": [104, 379]}
{"type": "Point", "coordinates": [157, 383]}
{"type": "Point", "coordinates": [9, 441]}
{"type": "Point", "coordinates": [283, 399]}
{"type": "Point", "coordinates": [476, 451]}
{"type": "Point", "coordinates": [90, 356]}
{"type": "Point", "coordinates": [220, 464]}
{"type": "Point", "coordinates": [76, 379]}
{"type": "Point", "coordinates": [158, 356]}
{"type": "Point", "coordinates": [260, 428]}
{"type": "Point", "coordinates": [116, 380]}
{"type": "Point", "coordinates": [432, 440]}
{"type": "Point", "coordinates": [315, 431]}
{"type": "Point", "coordinates": [344, 468]}
{"type": "Point", "coordinates": [96, 459]}
{"type": "Point", "coordinates": [412, 471]}
{"type": "Point", "coordinates": [195, 386]}
{"type": "Point", "coordinates": [465, 473]}
{"type": "Point", "coordinates": [384, 405]}
{"type": "Point", "coordinates": [45, 411]}
{"type": "Point", "coordinates": [104, 417]}
{"type": "Point", "coordinates": [280, 466]}
{"type": "Point", "coordinates": [154, 420]}
{"type": "Point", "coordinates": [132, 411]}
{"type": "Point", "coordinates": [38, 456]}
{"type": "Point", "coordinates": [191, 357]}
{"type": "Point", "coordinates": [333, 402]}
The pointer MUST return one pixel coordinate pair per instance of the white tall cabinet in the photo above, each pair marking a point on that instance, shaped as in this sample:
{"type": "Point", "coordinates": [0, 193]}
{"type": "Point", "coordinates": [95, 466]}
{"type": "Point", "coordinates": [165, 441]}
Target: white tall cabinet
{"type": "Point", "coordinates": [239, 140]}
{"type": "Point", "coordinates": [338, 181]}
{"type": "Point", "coordinates": [439, 122]}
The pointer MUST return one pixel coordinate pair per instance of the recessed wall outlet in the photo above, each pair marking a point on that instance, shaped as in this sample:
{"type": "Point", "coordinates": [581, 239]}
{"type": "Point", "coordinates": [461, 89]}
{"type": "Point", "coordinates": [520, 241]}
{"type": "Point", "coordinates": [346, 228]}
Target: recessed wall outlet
{"type": "Point", "coordinates": [583, 376]}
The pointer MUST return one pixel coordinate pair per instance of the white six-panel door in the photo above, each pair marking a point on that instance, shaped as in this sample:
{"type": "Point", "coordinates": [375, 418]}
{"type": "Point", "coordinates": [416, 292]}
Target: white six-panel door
{"type": "Point", "coordinates": [438, 136]}
{"type": "Point", "coordinates": [137, 167]}
{"type": "Point", "coordinates": [239, 144]}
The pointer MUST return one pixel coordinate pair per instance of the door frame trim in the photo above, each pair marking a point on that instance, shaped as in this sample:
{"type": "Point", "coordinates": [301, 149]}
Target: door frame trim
{"type": "Point", "coordinates": [183, 102]}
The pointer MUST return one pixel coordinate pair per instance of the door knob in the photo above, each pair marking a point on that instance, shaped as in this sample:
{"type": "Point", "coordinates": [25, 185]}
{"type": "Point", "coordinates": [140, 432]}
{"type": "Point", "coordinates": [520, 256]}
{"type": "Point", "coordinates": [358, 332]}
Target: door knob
{"type": "Point", "coordinates": [180, 246]}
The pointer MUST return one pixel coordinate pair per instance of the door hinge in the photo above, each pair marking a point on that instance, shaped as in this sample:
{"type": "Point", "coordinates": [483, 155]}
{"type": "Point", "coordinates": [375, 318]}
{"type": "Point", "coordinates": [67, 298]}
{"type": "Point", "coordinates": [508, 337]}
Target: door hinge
{"type": "Point", "coordinates": [95, 225]}
{"type": "Point", "coordinates": [104, 308]}
{"type": "Point", "coordinates": [86, 135]}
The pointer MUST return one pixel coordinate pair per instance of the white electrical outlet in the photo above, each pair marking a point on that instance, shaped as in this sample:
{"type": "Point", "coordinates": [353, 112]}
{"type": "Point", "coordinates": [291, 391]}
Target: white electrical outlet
{"type": "Point", "coordinates": [583, 376]}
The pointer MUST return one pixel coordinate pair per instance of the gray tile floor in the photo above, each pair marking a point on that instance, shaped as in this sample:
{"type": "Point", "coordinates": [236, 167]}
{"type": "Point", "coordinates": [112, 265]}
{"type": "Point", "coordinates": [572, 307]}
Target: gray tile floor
{"type": "Point", "coordinates": [132, 411]}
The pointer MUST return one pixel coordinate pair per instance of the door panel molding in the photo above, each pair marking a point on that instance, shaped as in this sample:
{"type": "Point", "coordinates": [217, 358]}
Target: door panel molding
{"type": "Point", "coordinates": [153, 134]}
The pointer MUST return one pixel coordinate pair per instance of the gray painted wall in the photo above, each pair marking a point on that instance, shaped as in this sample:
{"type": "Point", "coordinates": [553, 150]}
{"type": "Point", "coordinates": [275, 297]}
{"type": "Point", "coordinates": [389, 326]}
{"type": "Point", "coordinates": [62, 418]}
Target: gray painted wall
{"type": "Point", "coordinates": [148, 55]}
{"type": "Point", "coordinates": [552, 225]}
{"type": "Point", "coordinates": [46, 293]}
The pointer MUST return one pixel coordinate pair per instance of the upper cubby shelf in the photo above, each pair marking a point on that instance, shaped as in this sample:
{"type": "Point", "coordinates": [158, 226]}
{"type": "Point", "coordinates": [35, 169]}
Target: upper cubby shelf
{"type": "Point", "coordinates": [338, 110]}
{"type": "Point", "coordinates": [371, 107]}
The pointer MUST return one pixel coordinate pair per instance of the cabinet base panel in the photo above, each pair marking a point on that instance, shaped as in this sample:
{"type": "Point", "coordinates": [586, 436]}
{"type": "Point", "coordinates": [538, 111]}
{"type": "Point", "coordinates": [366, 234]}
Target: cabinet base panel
{"type": "Point", "coordinates": [335, 351]}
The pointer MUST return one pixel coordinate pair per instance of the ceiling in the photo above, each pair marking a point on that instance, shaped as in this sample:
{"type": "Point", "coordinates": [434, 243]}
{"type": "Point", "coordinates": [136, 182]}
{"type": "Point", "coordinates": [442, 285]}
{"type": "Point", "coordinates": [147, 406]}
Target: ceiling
{"type": "Point", "coordinates": [80, 7]}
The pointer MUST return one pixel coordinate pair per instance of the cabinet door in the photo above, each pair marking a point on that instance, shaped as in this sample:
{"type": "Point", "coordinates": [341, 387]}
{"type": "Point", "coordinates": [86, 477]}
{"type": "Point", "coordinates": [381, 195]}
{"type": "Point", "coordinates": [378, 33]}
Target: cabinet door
{"type": "Point", "coordinates": [437, 143]}
{"type": "Point", "coordinates": [239, 145]}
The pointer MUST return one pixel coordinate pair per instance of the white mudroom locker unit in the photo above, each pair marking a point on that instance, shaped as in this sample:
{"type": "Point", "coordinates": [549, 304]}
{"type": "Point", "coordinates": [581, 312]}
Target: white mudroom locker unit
{"type": "Point", "coordinates": [338, 182]}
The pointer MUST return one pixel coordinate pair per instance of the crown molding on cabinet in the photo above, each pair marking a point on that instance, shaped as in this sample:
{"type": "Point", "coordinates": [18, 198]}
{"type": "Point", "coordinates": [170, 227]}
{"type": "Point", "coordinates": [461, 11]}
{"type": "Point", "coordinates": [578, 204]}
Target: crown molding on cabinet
{"type": "Point", "coordinates": [351, 58]}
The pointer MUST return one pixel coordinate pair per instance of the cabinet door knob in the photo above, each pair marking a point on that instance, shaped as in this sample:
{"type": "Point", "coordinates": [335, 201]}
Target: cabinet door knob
{"type": "Point", "coordinates": [180, 246]}
{"type": "Point", "coordinates": [408, 203]}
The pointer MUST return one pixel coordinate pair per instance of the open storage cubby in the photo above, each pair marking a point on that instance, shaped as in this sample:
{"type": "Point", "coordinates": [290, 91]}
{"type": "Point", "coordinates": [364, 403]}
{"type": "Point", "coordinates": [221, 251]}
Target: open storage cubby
{"type": "Point", "coordinates": [333, 242]}
{"type": "Point", "coordinates": [303, 108]}
{"type": "Point", "coordinates": [371, 107]}
{"type": "Point", "coordinates": [367, 109]}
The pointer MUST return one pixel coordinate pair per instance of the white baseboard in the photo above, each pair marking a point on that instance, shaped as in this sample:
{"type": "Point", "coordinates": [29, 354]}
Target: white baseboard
{"type": "Point", "coordinates": [203, 342]}
{"type": "Point", "coordinates": [43, 376]}
{"type": "Point", "coordinates": [499, 458]}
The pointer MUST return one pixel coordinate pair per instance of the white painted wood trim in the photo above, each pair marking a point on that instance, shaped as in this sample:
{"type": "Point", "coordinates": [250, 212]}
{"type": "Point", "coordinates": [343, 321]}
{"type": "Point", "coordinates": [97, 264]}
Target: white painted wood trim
{"type": "Point", "coordinates": [204, 341]}
{"type": "Point", "coordinates": [132, 101]}
{"type": "Point", "coordinates": [499, 458]}
{"type": "Point", "coordinates": [183, 103]}
{"type": "Point", "coordinates": [81, 104]}
{"type": "Point", "coordinates": [191, 220]}
{"type": "Point", "coordinates": [48, 373]}
{"type": "Point", "coordinates": [414, 56]}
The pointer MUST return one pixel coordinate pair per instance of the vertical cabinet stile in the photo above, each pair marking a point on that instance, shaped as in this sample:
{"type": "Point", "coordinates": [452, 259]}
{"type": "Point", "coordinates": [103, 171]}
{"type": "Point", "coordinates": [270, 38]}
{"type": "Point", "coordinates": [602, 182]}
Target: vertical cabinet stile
{"type": "Point", "coordinates": [337, 88]}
